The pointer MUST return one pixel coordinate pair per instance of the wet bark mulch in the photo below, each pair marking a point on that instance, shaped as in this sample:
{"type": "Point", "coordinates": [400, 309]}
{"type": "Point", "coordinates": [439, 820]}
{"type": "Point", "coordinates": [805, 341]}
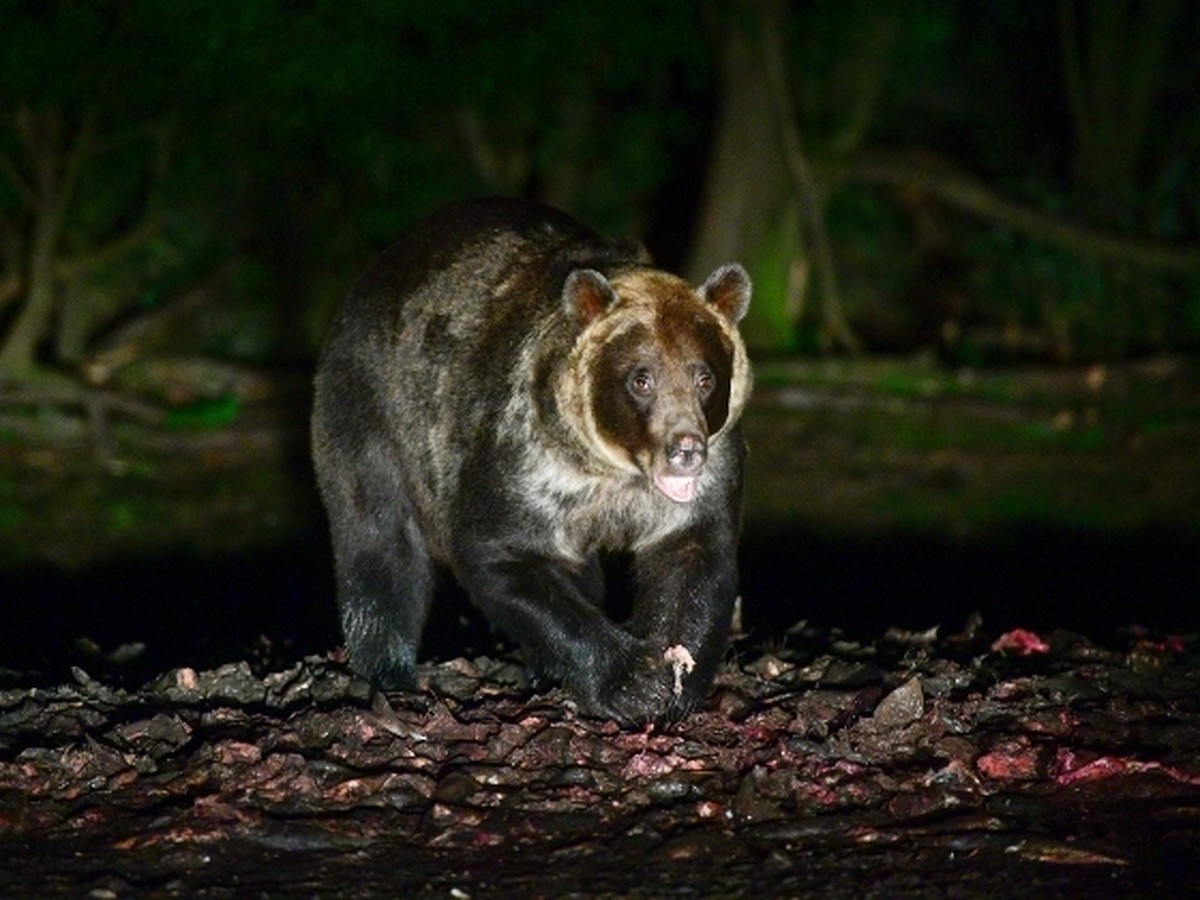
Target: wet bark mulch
{"type": "Point", "coordinates": [914, 765]}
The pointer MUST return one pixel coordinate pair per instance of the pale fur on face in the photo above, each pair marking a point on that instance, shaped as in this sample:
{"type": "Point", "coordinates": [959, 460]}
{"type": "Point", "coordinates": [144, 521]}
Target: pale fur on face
{"type": "Point", "coordinates": [638, 292]}
{"type": "Point", "coordinates": [603, 491]}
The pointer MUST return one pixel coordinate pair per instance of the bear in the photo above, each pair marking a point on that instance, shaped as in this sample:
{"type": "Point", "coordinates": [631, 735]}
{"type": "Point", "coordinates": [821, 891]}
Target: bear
{"type": "Point", "coordinates": [512, 397]}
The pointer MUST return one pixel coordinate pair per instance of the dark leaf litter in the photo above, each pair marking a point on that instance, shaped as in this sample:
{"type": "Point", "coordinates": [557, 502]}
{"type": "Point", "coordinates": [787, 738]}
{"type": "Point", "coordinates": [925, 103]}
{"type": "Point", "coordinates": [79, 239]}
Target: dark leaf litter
{"type": "Point", "coordinates": [914, 765]}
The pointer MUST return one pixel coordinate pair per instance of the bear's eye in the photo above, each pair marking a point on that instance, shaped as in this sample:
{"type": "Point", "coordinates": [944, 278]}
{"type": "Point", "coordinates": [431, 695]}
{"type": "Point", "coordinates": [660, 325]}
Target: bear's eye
{"type": "Point", "coordinates": [705, 381]}
{"type": "Point", "coordinates": [641, 383]}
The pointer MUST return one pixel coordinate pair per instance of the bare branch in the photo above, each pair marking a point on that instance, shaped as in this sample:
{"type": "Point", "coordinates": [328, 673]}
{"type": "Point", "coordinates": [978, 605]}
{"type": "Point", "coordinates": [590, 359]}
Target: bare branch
{"type": "Point", "coordinates": [23, 188]}
{"type": "Point", "coordinates": [81, 264]}
{"type": "Point", "coordinates": [12, 247]}
{"type": "Point", "coordinates": [808, 196]}
{"type": "Point", "coordinates": [151, 328]}
{"type": "Point", "coordinates": [972, 195]}
{"type": "Point", "coordinates": [76, 394]}
{"type": "Point", "coordinates": [10, 288]}
{"type": "Point", "coordinates": [41, 135]}
{"type": "Point", "coordinates": [871, 63]}
{"type": "Point", "coordinates": [78, 153]}
{"type": "Point", "coordinates": [130, 240]}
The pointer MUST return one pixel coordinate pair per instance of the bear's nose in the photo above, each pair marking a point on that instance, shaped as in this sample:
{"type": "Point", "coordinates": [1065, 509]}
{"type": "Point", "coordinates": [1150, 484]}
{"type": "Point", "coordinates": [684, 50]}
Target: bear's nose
{"type": "Point", "coordinates": [686, 453]}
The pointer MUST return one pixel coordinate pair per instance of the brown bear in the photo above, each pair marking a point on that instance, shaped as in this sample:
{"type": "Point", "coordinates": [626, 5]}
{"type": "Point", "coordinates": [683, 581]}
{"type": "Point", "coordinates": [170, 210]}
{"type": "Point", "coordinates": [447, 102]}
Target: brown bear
{"type": "Point", "coordinates": [511, 395]}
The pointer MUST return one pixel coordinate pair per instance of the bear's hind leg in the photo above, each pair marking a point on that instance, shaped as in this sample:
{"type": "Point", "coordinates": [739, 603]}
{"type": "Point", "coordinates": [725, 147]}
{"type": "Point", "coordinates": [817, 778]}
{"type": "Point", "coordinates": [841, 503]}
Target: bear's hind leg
{"type": "Point", "coordinates": [384, 576]}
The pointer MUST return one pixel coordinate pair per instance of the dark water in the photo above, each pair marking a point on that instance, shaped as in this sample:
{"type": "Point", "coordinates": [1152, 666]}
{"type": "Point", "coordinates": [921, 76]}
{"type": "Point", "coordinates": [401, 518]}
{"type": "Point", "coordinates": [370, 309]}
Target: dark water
{"type": "Point", "coordinates": [277, 604]}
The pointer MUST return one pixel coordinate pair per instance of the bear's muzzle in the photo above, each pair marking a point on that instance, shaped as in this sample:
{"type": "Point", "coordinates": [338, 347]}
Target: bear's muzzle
{"type": "Point", "coordinates": [685, 455]}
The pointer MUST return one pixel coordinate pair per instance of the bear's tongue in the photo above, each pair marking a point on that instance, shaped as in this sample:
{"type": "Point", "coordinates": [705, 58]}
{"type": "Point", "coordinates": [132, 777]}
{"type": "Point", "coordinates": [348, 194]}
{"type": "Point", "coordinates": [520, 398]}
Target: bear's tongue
{"type": "Point", "coordinates": [680, 488]}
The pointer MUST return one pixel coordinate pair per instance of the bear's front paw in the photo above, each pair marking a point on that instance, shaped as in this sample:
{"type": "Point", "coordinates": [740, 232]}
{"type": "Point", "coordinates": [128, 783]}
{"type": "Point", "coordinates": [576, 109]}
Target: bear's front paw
{"type": "Point", "coordinates": [641, 686]}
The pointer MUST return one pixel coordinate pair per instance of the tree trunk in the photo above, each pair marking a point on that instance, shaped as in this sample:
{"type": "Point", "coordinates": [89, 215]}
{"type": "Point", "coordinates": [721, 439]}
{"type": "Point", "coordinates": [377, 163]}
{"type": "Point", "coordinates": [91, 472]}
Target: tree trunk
{"type": "Point", "coordinates": [56, 169]}
{"type": "Point", "coordinates": [745, 208]}
{"type": "Point", "coordinates": [835, 331]}
{"type": "Point", "coordinates": [20, 345]}
{"type": "Point", "coordinates": [1113, 68]}
{"type": "Point", "coordinates": [12, 245]}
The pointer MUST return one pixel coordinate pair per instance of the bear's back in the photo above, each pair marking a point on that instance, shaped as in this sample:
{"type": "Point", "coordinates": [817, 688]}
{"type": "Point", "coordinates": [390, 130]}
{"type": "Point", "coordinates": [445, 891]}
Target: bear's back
{"type": "Point", "coordinates": [491, 233]}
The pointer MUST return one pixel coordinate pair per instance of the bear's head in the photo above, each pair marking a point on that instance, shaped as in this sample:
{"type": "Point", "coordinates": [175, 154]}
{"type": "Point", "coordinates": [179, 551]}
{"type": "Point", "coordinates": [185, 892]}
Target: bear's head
{"type": "Point", "coordinates": [658, 370]}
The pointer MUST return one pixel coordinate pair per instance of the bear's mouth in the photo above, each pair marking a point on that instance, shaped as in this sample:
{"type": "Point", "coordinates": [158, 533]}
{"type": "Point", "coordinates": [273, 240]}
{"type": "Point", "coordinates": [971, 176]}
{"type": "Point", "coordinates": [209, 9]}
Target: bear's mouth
{"type": "Point", "coordinates": [680, 488]}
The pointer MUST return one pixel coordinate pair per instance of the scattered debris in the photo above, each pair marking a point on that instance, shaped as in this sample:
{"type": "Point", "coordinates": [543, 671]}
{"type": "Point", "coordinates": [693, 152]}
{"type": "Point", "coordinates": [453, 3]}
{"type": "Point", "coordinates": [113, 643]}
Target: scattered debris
{"type": "Point", "coordinates": [1021, 642]}
{"type": "Point", "coordinates": [865, 770]}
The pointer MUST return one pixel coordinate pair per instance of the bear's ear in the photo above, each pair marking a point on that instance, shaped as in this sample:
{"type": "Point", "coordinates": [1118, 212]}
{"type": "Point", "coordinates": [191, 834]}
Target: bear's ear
{"type": "Point", "coordinates": [586, 294]}
{"type": "Point", "coordinates": [728, 289]}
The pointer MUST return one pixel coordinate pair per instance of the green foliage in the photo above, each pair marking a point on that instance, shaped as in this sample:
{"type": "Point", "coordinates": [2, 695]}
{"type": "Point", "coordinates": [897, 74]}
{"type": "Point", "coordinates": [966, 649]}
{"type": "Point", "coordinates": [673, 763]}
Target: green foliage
{"type": "Point", "coordinates": [205, 414]}
{"type": "Point", "coordinates": [305, 136]}
{"type": "Point", "coordinates": [1085, 307]}
{"type": "Point", "coordinates": [299, 138]}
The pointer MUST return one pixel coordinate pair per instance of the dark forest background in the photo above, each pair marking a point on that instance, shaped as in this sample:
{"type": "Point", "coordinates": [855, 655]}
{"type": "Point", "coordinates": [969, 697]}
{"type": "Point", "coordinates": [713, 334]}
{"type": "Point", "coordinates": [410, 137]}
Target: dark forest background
{"type": "Point", "coordinates": [973, 228]}
{"type": "Point", "coordinates": [994, 179]}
